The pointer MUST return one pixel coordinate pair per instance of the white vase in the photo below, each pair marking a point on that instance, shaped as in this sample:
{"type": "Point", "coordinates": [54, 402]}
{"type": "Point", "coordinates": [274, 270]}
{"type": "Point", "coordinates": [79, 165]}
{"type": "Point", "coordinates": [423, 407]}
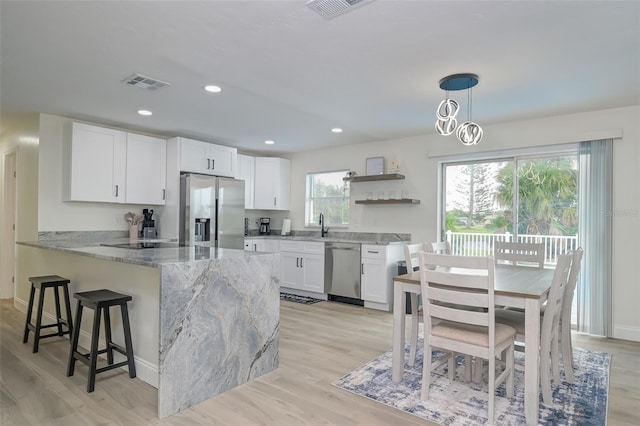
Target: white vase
{"type": "Point", "coordinates": [133, 232]}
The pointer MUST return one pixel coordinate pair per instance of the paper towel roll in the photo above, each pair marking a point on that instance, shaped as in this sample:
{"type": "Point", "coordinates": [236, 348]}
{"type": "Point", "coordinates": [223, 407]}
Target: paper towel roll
{"type": "Point", "coordinates": [286, 227]}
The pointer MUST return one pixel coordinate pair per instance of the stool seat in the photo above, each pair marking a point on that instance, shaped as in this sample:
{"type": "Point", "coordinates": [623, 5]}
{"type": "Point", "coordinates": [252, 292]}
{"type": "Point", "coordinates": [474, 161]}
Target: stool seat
{"type": "Point", "coordinates": [100, 301]}
{"type": "Point", "coordinates": [42, 283]}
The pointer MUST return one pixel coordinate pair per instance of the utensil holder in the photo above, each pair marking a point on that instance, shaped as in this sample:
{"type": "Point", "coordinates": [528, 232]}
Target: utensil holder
{"type": "Point", "coordinates": [133, 232]}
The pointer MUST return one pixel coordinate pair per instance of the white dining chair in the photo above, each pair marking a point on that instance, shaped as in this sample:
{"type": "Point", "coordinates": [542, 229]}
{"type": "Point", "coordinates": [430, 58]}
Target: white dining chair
{"type": "Point", "coordinates": [565, 316]}
{"type": "Point", "coordinates": [549, 327]}
{"type": "Point", "coordinates": [412, 260]}
{"type": "Point", "coordinates": [519, 253]}
{"type": "Point", "coordinates": [451, 285]}
{"type": "Point", "coordinates": [411, 256]}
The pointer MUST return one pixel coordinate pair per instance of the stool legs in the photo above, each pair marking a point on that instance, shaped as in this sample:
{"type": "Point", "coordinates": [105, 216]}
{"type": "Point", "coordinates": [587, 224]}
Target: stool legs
{"type": "Point", "coordinates": [74, 341]}
{"type": "Point", "coordinates": [36, 332]}
{"type": "Point", "coordinates": [65, 290]}
{"type": "Point", "coordinates": [93, 355]}
{"type": "Point", "coordinates": [127, 340]}
{"type": "Point", "coordinates": [25, 339]}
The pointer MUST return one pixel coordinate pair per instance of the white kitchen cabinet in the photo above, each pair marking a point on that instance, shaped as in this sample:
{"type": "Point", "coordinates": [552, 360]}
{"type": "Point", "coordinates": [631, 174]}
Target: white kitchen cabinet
{"type": "Point", "coordinates": [272, 183]}
{"type": "Point", "coordinates": [94, 164]}
{"type": "Point", "coordinates": [302, 265]}
{"type": "Point", "coordinates": [262, 244]}
{"type": "Point", "coordinates": [146, 170]}
{"type": "Point", "coordinates": [246, 172]}
{"type": "Point", "coordinates": [207, 158]}
{"type": "Point", "coordinates": [379, 266]}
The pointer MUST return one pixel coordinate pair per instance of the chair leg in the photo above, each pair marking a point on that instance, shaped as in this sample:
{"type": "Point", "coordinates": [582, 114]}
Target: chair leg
{"type": "Point", "coordinates": [25, 339]}
{"type": "Point", "coordinates": [93, 354]}
{"type": "Point", "coordinates": [492, 388]}
{"type": "Point", "coordinates": [555, 359]}
{"type": "Point", "coordinates": [67, 303]}
{"type": "Point", "coordinates": [567, 351]}
{"type": "Point", "coordinates": [468, 367]}
{"type": "Point", "coordinates": [511, 366]}
{"type": "Point", "coordinates": [414, 329]}
{"type": "Point", "coordinates": [58, 314]}
{"type": "Point", "coordinates": [36, 334]}
{"type": "Point", "coordinates": [74, 341]}
{"type": "Point", "coordinates": [545, 379]}
{"type": "Point", "coordinates": [107, 334]}
{"type": "Point", "coordinates": [426, 372]}
{"type": "Point", "coordinates": [127, 340]}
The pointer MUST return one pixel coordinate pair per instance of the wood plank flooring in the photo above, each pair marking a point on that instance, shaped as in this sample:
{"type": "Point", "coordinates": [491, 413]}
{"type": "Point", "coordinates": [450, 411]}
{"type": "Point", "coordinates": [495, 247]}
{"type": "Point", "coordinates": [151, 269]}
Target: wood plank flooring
{"type": "Point", "coordinates": [318, 344]}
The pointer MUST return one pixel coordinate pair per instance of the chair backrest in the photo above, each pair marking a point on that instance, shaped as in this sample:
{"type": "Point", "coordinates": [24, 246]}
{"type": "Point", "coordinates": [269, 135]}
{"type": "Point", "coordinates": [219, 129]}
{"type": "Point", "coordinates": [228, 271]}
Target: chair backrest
{"type": "Point", "coordinates": [411, 252]}
{"type": "Point", "coordinates": [441, 247]}
{"type": "Point", "coordinates": [567, 301]}
{"type": "Point", "coordinates": [519, 253]}
{"type": "Point", "coordinates": [553, 308]}
{"type": "Point", "coordinates": [453, 284]}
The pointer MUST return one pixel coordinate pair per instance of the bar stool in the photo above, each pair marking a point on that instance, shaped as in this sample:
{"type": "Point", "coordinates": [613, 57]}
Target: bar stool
{"type": "Point", "coordinates": [43, 283]}
{"type": "Point", "coordinates": [100, 301]}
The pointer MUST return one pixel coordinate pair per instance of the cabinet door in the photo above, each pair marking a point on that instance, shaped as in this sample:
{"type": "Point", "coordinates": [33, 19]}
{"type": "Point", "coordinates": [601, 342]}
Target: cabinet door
{"type": "Point", "coordinates": [313, 272]}
{"type": "Point", "coordinates": [246, 172]}
{"type": "Point", "coordinates": [193, 156]}
{"type": "Point", "coordinates": [97, 164]}
{"type": "Point", "coordinates": [248, 245]}
{"type": "Point", "coordinates": [272, 188]}
{"type": "Point", "coordinates": [223, 160]}
{"type": "Point", "coordinates": [291, 270]}
{"type": "Point", "coordinates": [374, 280]}
{"type": "Point", "coordinates": [146, 169]}
{"type": "Point", "coordinates": [260, 244]}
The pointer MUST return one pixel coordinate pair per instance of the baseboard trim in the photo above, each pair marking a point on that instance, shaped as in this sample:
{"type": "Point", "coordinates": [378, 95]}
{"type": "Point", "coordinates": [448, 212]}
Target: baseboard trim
{"type": "Point", "coordinates": [626, 333]}
{"type": "Point", "coordinates": [145, 371]}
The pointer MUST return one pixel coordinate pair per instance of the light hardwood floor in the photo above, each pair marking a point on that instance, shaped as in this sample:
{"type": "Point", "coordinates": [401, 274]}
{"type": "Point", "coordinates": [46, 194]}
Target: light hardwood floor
{"type": "Point", "coordinates": [318, 344]}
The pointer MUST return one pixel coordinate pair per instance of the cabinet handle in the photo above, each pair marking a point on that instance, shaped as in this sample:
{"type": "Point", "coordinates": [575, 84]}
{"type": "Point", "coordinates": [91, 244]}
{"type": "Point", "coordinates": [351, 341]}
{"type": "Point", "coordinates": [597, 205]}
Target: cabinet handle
{"type": "Point", "coordinates": [362, 269]}
{"type": "Point", "coordinates": [255, 247]}
{"type": "Point", "coordinates": [274, 201]}
{"type": "Point", "coordinates": [208, 164]}
{"type": "Point", "coordinates": [213, 164]}
{"type": "Point", "coordinates": [116, 190]}
{"type": "Point", "coordinates": [164, 194]}
{"type": "Point", "coordinates": [297, 262]}
{"type": "Point", "coordinates": [301, 263]}
{"type": "Point", "coordinates": [373, 251]}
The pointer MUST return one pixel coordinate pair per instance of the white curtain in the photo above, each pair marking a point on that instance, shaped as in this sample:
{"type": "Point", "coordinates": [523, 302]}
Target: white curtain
{"type": "Point", "coordinates": [594, 234]}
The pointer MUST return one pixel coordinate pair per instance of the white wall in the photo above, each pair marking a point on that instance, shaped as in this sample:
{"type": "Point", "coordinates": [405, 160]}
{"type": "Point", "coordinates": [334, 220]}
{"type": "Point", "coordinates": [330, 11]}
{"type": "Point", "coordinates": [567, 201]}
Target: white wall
{"type": "Point", "coordinates": [419, 156]}
{"type": "Point", "coordinates": [56, 215]}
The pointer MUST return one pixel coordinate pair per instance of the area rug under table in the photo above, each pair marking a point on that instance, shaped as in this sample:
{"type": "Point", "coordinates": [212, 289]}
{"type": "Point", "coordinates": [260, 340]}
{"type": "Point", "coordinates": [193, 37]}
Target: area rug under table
{"type": "Point", "coordinates": [298, 299]}
{"type": "Point", "coordinates": [460, 403]}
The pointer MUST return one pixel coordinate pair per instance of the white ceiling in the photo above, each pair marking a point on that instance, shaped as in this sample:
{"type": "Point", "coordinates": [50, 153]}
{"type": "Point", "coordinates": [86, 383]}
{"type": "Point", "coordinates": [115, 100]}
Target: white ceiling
{"type": "Point", "coordinates": [290, 75]}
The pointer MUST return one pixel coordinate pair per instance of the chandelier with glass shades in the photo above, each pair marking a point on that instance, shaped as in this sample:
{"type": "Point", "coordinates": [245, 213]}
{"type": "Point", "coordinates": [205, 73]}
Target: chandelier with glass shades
{"type": "Point", "coordinates": [469, 133]}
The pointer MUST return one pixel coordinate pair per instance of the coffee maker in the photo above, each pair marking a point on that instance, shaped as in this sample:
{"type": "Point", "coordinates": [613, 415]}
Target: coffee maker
{"type": "Point", "coordinates": [265, 225]}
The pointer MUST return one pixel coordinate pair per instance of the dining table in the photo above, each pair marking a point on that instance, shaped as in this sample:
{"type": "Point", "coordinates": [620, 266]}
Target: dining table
{"type": "Point", "coordinates": [522, 287]}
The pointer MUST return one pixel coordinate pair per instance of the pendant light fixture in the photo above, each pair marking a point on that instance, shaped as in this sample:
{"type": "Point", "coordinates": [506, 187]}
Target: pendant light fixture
{"type": "Point", "coordinates": [469, 133]}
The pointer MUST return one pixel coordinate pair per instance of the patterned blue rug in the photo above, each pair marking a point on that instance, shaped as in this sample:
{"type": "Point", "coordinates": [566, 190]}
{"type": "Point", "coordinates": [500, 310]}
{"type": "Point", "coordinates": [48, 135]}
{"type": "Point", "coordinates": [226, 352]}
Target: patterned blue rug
{"type": "Point", "coordinates": [460, 403]}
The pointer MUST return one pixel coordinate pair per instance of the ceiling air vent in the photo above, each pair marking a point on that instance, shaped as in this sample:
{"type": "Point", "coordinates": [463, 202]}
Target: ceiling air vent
{"type": "Point", "coordinates": [144, 82]}
{"type": "Point", "coordinates": [331, 8]}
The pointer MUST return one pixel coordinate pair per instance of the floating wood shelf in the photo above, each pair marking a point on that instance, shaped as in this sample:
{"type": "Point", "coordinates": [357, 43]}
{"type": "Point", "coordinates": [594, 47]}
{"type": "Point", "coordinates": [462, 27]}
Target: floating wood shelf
{"type": "Point", "coordinates": [392, 201]}
{"type": "Point", "coordinates": [391, 176]}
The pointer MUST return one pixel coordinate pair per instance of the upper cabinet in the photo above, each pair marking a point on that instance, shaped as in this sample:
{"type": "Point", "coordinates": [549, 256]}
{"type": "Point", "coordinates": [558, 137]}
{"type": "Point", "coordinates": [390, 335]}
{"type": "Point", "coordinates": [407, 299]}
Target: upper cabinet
{"type": "Point", "coordinates": [207, 158]}
{"type": "Point", "coordinates": [94, 164]}
{"type": "Point", "coordinates": [112, 166]}
{"type": "Point", "coordinates": [272, 183]}
{"type": "Point", "coordinates": [246, 172]}
{"type": "Point", "coordinates": [146, 170]}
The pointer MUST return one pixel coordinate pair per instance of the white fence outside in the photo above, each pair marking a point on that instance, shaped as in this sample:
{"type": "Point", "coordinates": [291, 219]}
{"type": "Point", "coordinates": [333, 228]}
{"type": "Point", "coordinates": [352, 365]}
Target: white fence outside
{"type": "Point", "coordinates": [473, 244]}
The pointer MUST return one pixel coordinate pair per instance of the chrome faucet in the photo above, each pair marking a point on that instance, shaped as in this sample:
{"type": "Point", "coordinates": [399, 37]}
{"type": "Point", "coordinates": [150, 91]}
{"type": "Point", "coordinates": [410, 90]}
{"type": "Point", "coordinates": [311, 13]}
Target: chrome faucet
{"type": "Point", "coordinates": [323, 231]}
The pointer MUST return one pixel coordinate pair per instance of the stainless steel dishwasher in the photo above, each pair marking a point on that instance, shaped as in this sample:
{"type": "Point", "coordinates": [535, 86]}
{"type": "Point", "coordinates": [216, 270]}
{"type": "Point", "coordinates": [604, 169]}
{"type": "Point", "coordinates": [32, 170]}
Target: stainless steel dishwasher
{"type": "Point", "coordinates": [342, 272]}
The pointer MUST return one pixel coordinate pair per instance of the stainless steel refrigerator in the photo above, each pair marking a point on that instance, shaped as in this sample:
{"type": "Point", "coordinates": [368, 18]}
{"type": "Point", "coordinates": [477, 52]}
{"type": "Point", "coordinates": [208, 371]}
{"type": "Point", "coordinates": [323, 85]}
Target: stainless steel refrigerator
{"type": "Point", "coordinates": [211, 211]}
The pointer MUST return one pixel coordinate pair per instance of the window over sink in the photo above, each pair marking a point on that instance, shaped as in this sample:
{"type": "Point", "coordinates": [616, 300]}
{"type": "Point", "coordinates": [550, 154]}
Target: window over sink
{"type": "Point", "coordinates": [327, 193]}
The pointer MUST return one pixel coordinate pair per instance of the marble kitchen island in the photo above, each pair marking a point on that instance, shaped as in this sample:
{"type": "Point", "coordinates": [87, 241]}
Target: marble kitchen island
{"type": "Point", "coordinates": [204, 320]}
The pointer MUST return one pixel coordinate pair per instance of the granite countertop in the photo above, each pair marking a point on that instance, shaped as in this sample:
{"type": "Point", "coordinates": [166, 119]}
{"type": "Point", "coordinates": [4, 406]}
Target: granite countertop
{"type": "Point", "coordinates": [152, 257]}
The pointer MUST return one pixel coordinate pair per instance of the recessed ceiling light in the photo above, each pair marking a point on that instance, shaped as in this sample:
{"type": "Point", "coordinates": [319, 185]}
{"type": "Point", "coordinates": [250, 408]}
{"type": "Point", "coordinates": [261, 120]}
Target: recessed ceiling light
{"type": "Point", "coordinates": [336, 130]}
{"type": "Point", "coordinates": [144, 112]}
{"type": "Point", "coordinates": [213, 89]}
{"type": "Point", "coordinates": [269, 142]}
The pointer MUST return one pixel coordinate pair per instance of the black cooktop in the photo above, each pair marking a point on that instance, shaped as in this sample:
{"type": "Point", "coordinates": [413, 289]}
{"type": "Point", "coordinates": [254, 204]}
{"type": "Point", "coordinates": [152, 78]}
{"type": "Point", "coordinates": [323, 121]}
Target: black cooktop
{"type": "Point", "coordinates": [137, 245]}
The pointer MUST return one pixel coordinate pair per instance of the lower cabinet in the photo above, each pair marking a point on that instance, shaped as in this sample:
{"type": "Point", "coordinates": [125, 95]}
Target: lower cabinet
{"type": "Point", "coordinates": [262, 244]}
{"type": "Point", "coordinates": [302, 265]}
{"type": "Point", "coordinates": [379, 266]}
